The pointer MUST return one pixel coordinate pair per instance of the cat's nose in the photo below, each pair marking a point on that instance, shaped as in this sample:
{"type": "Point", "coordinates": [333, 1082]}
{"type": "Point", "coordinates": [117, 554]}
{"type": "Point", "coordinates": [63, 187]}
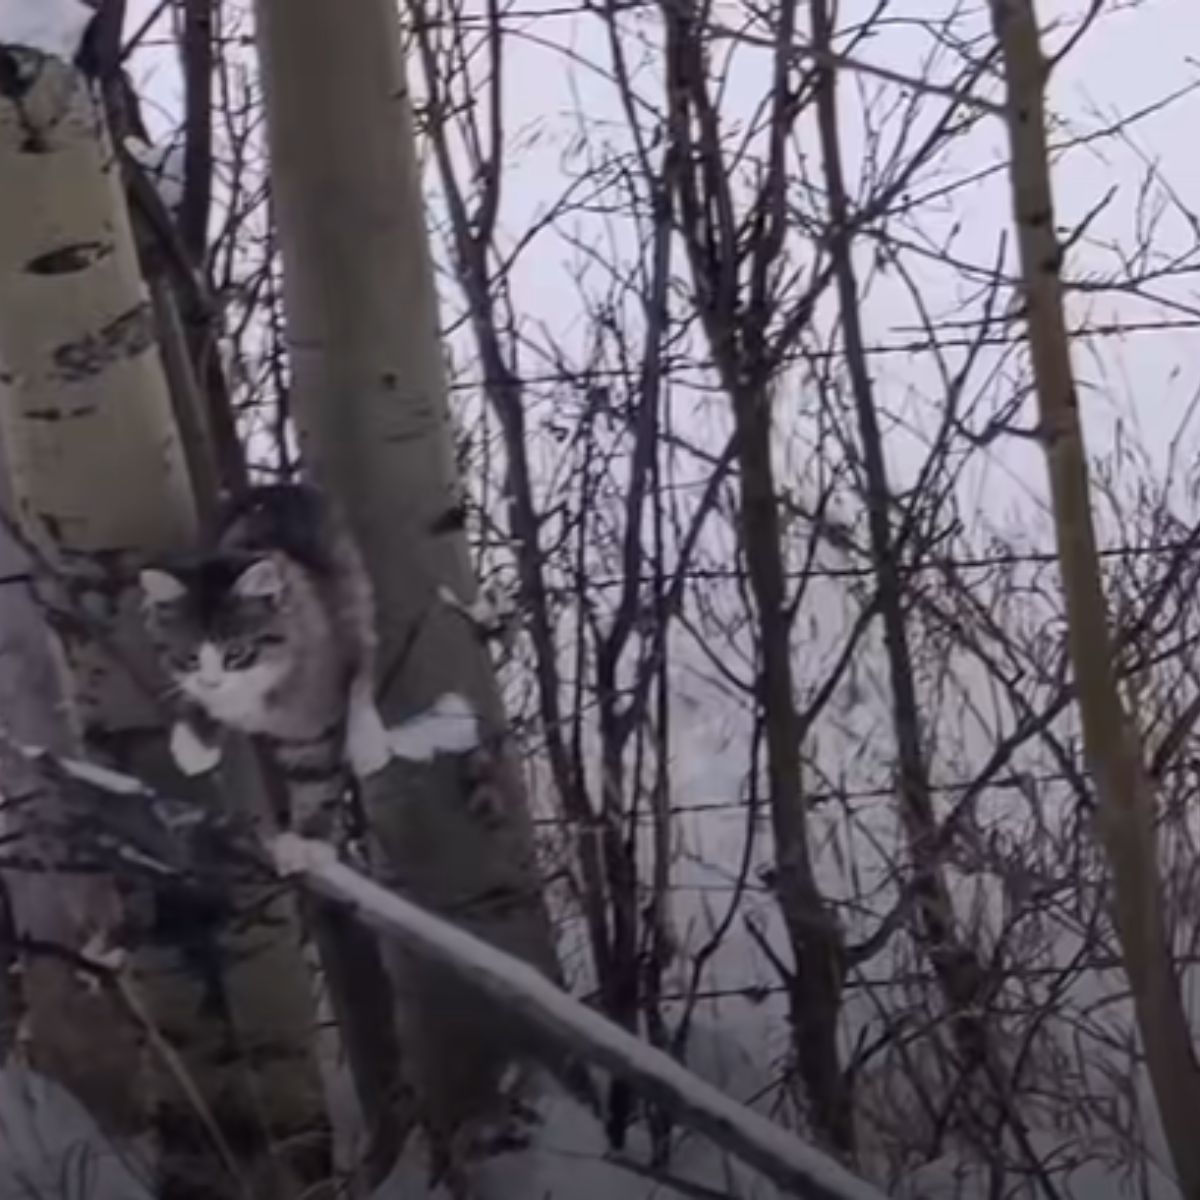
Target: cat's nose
{"type": "Point", "coordinates": [211, 666]}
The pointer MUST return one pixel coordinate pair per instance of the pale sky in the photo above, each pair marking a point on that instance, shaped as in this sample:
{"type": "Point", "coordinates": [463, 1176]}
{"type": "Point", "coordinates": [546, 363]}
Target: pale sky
{"type": "Point", "coordinates": [1135, 57]}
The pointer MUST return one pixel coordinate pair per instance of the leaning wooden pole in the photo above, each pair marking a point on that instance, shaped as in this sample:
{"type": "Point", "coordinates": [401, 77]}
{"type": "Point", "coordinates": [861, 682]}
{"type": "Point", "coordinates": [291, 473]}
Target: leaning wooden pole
{"type": "Point", "coordinates": [1126, 803]}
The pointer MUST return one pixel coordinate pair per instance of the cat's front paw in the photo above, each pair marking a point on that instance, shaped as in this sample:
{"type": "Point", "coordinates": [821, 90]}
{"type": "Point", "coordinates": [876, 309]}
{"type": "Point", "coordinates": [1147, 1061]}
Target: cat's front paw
{"type": "Point", "coordinates": [368, 749]}
{"type": "Point", "coordinates": [192, 754]}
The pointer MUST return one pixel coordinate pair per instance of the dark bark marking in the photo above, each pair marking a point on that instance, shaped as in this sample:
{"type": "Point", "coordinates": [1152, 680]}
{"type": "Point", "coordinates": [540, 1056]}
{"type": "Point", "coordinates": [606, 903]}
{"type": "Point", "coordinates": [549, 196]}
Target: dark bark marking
{"type": "Point", "coordinates": [17, 72]}
{"type": "Point", "coordinates": [53, 526]}
{"type": "Point", "coordinates": [452, 520]}
{"type": "Point", "coordinates": [59, 414]}
{"type": "Point", "coordinates": [19, 69]}
{"type": "Point", "coordinates": [65, 260]}
{"type": "Point", "coordinates": [125, 336]}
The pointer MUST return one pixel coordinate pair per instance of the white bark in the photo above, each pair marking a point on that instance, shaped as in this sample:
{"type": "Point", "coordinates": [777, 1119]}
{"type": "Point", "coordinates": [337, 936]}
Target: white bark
{"type": "Point", "coordinates": [99, 481]}
{"type": "Point", "coordinates": [60, 1011]}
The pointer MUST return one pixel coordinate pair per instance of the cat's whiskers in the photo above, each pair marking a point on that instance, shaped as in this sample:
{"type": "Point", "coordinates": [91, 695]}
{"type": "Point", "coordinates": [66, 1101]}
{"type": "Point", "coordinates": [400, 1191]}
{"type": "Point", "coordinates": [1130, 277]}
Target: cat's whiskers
{"type": "Point", "coordinates": [287, 581]}
{"type": "Point", "coordinates": [171, 692]}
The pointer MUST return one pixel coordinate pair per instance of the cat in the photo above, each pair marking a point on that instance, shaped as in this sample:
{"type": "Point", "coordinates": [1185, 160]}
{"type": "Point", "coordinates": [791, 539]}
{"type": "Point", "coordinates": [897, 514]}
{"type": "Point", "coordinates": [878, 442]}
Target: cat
{"type": "Point", "coordinates": [272, 633]}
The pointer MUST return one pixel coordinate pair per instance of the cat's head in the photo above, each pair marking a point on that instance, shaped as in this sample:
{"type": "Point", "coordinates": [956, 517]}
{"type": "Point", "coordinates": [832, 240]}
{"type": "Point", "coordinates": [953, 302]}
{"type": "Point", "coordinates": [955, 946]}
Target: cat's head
{"type": "Point", "coordinates": [220, 628]}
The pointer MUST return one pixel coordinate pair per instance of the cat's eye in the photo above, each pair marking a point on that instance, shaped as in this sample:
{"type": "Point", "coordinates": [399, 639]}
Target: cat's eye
{"type": "Point", "coordinates": [185, 660]}
{"type": "Point", "coordinates": [242, 655]}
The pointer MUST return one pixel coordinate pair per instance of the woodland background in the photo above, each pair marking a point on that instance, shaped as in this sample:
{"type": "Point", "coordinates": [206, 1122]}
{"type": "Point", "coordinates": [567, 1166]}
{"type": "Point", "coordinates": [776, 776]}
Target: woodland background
{"type": "Point", "coordinates": [749, 446]}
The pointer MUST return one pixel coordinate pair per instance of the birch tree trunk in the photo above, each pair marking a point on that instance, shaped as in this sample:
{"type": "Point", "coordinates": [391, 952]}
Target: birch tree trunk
{"type": "Point", "coordinates": [51, 907]}
{"type": "Point", "coordinates": [369, 398]}
{"type": "Point", "coordinates": [1125, 796]}
{"type": "Point", "coordinates": [99, 481]}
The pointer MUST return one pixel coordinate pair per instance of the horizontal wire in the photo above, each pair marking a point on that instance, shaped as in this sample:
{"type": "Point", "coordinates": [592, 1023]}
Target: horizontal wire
{"type": "Point", "coordinates": [1013, 781]}
{"type": "Point", "coordinates": [818, 797]}
{"type": "Point", "coordinates": [587, 375]}
{"type": "Point", "coordinates": [756, 993]}
{"type": "Point", "coordinates": [980, 562]}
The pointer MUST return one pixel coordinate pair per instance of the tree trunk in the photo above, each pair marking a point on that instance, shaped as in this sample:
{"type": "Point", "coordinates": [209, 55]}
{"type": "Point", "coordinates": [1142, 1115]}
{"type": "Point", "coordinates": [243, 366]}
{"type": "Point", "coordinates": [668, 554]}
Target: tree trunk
{"type": "Point", "coordinates": [815, 984]}
{"type": "Point", "coordinates": [1126, 803]}
{"type": "Point", "coordinates": [370, 402]}
{"type": "Point", "coordinates": [49, 906]}
{"type": "Point", "coordinates": [736, 321]}
{"type": "Point", "coordinates": [956, 966]}
{"type": "Point", "coordinates": [99, 481]}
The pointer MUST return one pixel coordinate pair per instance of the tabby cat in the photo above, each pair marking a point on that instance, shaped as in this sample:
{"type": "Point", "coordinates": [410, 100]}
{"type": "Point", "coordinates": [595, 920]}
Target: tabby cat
{"type": "Point", "coordinates": [272, 633]}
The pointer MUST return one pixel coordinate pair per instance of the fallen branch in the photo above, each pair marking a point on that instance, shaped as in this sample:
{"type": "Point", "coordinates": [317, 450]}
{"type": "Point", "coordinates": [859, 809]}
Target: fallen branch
{"type": "Point", "coordinates": [796, 1167]}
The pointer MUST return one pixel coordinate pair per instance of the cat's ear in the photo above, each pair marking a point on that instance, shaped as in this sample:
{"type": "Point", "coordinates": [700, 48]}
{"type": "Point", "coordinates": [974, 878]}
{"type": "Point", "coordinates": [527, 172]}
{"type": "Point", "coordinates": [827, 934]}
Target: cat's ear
{"type": "Point", "coordinates": [160, 587]}
{"type": "Point", "coordinates": [261, 581]}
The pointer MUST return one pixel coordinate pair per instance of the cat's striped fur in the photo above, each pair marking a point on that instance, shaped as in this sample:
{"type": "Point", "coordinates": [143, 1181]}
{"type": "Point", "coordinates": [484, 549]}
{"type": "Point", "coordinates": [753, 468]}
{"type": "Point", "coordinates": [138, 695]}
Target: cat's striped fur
{"type": "Point", "coordinates": [272, 633]}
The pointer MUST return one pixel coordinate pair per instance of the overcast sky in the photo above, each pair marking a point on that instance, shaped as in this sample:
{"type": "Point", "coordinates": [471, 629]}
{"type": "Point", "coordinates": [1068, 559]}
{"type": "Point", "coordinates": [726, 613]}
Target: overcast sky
{"type": "Point", "coordinates": [1135, 57]}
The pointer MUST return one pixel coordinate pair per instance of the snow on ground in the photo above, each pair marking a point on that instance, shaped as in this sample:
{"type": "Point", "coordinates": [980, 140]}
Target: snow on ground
{"type": "Point", "coordinates": [570, 1160]}
{"type": "Point", "coordinates": [51, 1148]}
{"type": "Point", "coordinates": [948, 1178]}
